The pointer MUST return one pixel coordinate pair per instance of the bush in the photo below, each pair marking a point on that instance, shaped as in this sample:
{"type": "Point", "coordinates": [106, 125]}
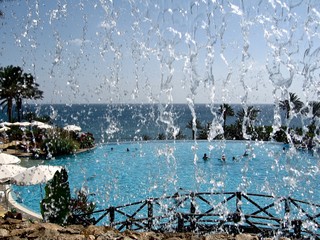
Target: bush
{"type": "Point", "coordinates": [86, 140]}
{"type": "Point", "coordinates": [81, 209]}
{"type": "Point", "coordinates": [60, 208]}
{"type": "Point", "coordinates": [60, 146]}
{"type": "Point", "coordinates": [55, 207]}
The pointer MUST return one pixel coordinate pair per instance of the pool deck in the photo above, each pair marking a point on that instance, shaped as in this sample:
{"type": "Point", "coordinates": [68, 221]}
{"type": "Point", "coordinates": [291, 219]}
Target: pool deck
{"type": "Point", "coordinates": [8, 203]}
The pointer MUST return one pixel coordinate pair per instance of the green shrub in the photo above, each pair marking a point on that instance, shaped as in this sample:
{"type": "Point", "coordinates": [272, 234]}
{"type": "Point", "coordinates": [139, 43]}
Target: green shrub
{"type": "Point", "coordinates": [86, 140]}
{"type": "Point", "coordinates": [55, 207]}
{"type": "Point", "coordinates": [60, 146]}
{"type": "Point", "coordinates": [60, 208]}
{"type": "Point", "coordinates": [81, 209]}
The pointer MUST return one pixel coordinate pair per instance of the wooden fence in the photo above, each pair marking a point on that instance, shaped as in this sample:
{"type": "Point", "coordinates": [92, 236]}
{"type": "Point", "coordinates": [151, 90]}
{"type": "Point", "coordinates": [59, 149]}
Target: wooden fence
{"type": "Point", "coordinates": [231, 212]}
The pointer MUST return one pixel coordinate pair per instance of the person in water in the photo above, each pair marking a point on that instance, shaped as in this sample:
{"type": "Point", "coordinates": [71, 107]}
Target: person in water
{"type": "Point", "coordinates": [223, 157]}
{"type": "Point", "coordinates": [245, 154]}
{"type": "Point", "coordinates": [205, 157]}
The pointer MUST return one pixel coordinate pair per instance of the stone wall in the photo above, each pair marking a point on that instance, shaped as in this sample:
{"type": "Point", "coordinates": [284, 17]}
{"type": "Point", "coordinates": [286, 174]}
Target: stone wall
{"type": "Point", "coordinates": [24, 229]}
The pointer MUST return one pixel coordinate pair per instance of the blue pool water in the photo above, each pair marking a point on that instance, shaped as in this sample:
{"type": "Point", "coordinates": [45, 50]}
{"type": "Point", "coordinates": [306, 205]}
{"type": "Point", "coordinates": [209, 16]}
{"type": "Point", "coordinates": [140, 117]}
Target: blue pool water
{"type": "Point", "coordinates": [116, 176]}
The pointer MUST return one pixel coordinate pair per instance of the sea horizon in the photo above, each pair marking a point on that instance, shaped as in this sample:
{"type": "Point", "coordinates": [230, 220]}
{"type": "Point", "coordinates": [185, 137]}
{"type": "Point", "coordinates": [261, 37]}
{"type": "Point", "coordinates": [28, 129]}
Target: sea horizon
{"type": "Point", "coordinates": [132, 121]}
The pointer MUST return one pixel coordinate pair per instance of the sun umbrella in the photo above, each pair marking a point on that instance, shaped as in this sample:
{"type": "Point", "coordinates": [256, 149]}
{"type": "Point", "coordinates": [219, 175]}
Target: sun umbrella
{"type": "Point", "coordinates": [4, 129]}
{"type": "Point", "coordinates": [45, 126]}
{"type": "Point", "coordinates": [8, 159]}
{"type": "Point", "coordinates": [73, 128]}
{"type": "Point", "coordinates": [5, 124]}
{"type": "Point", "coordinates": [41, 125]}
{"type": "Point", "coordinates": [9, 171]}
{"type": "Point", "coordinates": [35, 175]}
{"type": "Point", "coordinates": [22, 124]}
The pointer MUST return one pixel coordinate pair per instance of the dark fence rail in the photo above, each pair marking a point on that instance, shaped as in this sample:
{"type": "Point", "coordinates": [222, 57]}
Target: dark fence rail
{"type": "Point", "coordinates": [231, 212]}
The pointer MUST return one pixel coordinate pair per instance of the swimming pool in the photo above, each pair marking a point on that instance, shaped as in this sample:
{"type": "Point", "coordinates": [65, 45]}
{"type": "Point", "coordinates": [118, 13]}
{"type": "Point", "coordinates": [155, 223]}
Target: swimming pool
{"type": "Point", "coordinates": [126, 172]}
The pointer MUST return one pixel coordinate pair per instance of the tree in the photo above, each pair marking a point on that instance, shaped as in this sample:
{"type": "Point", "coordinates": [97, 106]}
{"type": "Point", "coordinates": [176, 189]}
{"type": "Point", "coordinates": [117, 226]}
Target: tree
{"type": "Point", "coordinates": [28, 89]}
{"type": "Point", "coordinates": [248, 116]}
{"type": "Point", "coordinates": [9, 78]}
{"type": "Point", "coordinates": [81, 209]}
{"type": "Point", "coordinates": [227, 111]}
{"type": "Point", "coordinates": [251, 114]}
{"type": "Point", "coordinates": [55, 207]}
{"type": "Point", "coordinates": [16, 86]}
{"type": "Point", "coordinates": [191, 126]}
{"type": "Point", "coordinates": [204, 132]}
{"type": "Point", "coordinates": [315, 110]}
{"type": "Point", "coordinates": [293, 104]}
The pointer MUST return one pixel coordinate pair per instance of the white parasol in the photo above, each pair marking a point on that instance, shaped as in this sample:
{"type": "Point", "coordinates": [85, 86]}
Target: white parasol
{"type": "Point", "coordinates": [21, 124]}
{"type": "Point", "coordinates": [5, 124]}
{"type": "Point", "coordinates": [8, 171]}
{"type": "Point", "coordinates": [73, 128]}
{"type": "Point", "coordinates": [8, 159]}
{"type": "Point", "coordinates": [41, 125]}
{"type": "Point", "coordinates": [35, 175]}
{"type": "Point", "coordinates": [4, 129]}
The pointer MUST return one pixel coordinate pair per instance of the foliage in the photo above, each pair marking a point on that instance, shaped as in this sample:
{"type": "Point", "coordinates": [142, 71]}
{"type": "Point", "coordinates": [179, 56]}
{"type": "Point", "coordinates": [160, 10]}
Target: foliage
{"type": "Point", "coordinates": [146, 137]}
{"type": "Point", "coordinates": [291, 105]}
{"type": "Point", "coordinates": [31, 116]}
{"type": "Point", "coordinates": [81, 209]}
{"type": "Point", "coordinates": [55, 207]}
{"type": "Point", "coordinates": [59, 207]}
{"type": "Point", "coordinates": [281, 136]}
{"type": "Point", "coordinates": [204, 132]}
{"type": "Point", "coordinates": [226, 111]}
{"type": "Point", "coordinates": [16, 86]}
{"type": "Point", "coordinates": [86, 140]}
{"type": "Point", "coordinates": [194, 125]}
{"type": "Point", "coordinates": [161, 136]}
{"type": "Point", "coordinates": [180, 135]}
{"type": "Point", "coordinates": [60, 146]}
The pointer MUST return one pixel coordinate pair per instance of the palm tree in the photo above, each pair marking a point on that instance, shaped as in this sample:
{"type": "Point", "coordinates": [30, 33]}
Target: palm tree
{"type": "Point", "coordinates": [227, 111]}
{"type": "Point", "coordinates": [292, 104]}
{"type": "Point", "coordinates": [9, 78]}
{"type": "Point", "coordinates": [16, 86]}
{"type": "Point", "coordinates": [28, 89]}
{"type": "Point", "coordinates": [315, 106]}
{"type": "Point", "coordinates": [190, 126]}
{"type": "Point", "coordinates": [251, 114]}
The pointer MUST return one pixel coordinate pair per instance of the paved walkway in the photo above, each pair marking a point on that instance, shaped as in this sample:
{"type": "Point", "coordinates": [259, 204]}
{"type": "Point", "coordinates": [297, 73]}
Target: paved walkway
{"type": "Point", "coordinates": [7, 202]}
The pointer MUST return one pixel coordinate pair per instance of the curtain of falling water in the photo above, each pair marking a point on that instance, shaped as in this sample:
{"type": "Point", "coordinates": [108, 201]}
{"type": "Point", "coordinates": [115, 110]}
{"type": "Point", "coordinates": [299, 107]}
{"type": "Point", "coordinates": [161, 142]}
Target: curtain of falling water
{"type": "Point", "coordinates": [173, 51]}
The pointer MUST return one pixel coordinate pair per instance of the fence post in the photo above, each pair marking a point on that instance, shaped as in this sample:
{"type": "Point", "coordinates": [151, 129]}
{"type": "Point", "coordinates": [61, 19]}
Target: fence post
{"type": "Point", "coordinates": [180, 222]}
{"type": "Point", "coordinates": [150, 214]}
{"type": "Point", "coordinates": [129, 224]}
{"type": "Point", "coordinates": [285, 224]}
{"type": "Point", "coordinates": [236, 216]}
{"type": "Point", "coordinates": [111, 215]}
{"type": "Point", "coordinates": [192, 211]}
{"type": "Point", "coordinates": [296, 224]}
{"type": "Point", "coordinates": [238, 202]}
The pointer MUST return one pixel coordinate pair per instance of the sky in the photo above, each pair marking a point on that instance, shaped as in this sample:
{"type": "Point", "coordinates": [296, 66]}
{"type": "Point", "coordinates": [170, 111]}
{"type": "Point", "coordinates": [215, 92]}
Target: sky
{"type": "Point", "coordinates": [131, 51]}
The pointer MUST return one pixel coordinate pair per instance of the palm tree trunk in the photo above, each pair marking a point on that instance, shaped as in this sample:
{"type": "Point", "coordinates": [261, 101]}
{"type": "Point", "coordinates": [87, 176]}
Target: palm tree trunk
{"type": "Point", "coordinates": [9, 109]}
{"type": "Point", "coordinates": [19, 109]}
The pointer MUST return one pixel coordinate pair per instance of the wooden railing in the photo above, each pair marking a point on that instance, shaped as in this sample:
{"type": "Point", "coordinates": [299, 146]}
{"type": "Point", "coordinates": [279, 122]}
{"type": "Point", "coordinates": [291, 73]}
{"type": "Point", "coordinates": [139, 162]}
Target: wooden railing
{"type": "Point", "coordinates": [231, 212]}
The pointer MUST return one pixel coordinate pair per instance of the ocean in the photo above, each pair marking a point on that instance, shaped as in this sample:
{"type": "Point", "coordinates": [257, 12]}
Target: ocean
{"type": "Point", "coordinates": [130, 122]}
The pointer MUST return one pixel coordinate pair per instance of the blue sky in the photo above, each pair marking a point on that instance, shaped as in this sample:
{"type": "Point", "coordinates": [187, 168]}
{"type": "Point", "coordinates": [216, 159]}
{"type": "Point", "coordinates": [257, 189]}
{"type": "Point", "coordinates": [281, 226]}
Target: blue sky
{"type": "Point", "coordinates": [165, 51]}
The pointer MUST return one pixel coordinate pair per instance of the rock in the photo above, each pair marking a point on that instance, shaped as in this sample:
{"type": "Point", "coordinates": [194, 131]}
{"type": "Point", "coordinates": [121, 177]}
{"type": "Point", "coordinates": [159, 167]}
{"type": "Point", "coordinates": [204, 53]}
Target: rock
{"type": "Point", "coordinates": [151, 235]}
{"type": "Point", "coordinates": [13, 229]}
{"type": "Point", "coordinates": [4, 233]}
{"type": "Point", "coordinates": [246, 237]}
{"type": "Point", "coordinates": [22, 232]}
{"type": "Point", "coordinates": [217, 236]}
